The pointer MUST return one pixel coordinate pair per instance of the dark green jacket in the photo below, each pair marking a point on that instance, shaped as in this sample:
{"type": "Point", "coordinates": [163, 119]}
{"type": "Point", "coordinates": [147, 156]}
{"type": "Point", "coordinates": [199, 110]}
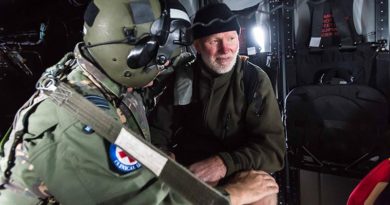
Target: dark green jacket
{"type": "Point", "coordinates": [218, 121]}
{"type": "Point", "coordinates": [58, 157]}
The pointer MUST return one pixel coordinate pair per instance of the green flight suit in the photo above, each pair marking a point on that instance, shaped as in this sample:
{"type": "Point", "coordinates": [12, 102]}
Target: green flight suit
{"type": "Point", "coordinates": [60, 159]}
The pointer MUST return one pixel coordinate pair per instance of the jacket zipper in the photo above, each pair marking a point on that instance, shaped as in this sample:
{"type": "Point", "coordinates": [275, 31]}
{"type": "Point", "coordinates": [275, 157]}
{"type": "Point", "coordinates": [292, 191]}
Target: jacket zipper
{"type": "Point", "coordinates": [226, 127]}
{"type": "Point", "coordinates": [206, 106]}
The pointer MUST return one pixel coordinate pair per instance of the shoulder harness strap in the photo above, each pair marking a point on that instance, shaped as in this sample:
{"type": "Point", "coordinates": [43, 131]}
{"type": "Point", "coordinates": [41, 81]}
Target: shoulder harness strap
{"type": "Point", "coordinates": [251, 82]}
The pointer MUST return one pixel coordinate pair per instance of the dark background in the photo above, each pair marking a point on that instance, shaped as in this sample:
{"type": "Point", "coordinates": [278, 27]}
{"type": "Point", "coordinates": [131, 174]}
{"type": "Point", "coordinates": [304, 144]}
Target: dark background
{"type": "Point", "coordinates": [34, 34]}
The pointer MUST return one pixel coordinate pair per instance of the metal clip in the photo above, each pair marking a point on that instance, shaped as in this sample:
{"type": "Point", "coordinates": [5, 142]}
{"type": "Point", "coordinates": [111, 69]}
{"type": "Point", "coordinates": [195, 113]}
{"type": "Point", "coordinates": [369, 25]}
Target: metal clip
{"type": "Point", "coordinates": [46, 83]}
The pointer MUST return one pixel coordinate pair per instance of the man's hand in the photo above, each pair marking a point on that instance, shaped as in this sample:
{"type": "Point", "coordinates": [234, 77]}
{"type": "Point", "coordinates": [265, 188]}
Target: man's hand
{"type": "Point", "coordinates": [251, 186]}
{"type": "Point", "coordinates": [210, 170]}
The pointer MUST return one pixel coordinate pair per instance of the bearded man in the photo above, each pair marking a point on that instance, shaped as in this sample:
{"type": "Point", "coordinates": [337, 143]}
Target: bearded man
{"type": "Point", "coordinates": [204, 118]}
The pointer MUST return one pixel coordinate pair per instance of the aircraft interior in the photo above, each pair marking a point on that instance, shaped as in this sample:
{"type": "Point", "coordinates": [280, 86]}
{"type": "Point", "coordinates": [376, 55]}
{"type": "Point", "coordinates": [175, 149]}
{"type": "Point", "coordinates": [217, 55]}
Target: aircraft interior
{"type": "Point", "coordinates": [328, 62]}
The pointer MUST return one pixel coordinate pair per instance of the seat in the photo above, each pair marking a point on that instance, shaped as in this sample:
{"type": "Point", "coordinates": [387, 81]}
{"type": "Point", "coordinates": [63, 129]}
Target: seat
{"type": "Point", "coordinates": [373, 188]}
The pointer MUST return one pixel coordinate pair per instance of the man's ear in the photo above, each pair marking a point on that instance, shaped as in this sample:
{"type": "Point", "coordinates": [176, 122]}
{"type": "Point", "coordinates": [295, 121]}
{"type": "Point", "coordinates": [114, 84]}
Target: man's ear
{"type": "Point", "coordinates": [196, 45]}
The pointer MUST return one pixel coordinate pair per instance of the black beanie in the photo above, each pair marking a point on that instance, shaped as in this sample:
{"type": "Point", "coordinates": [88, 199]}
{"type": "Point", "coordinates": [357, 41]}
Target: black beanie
{"type": "Point", "coordinates": [211, 12]}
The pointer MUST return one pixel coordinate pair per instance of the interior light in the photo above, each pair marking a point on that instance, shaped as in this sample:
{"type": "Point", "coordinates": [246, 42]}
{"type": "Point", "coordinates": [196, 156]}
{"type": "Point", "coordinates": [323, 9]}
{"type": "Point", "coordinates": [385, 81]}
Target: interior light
{"type": "Point", "coordinates": [258, 34]}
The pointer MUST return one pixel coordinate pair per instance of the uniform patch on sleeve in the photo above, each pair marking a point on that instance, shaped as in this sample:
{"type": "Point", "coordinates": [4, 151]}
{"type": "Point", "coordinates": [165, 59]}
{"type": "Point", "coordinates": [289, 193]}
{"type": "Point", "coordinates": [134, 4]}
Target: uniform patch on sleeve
{"type": "Point", "coordinates": [123, 162]}
{"type": "Point", "coordinates": [100, 102]}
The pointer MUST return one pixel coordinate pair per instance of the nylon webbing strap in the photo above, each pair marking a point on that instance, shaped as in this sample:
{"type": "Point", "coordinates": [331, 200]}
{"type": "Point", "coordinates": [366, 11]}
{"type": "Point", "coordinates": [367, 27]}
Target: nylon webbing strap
{"type": "Point", "coordinates": [382, 20]}
{"type": "Point", "coordinates": [345, 33]}
{"type": "Point", "coordinates": [316, 25]}
{"type": "Point", "coordinates": [169, 171]}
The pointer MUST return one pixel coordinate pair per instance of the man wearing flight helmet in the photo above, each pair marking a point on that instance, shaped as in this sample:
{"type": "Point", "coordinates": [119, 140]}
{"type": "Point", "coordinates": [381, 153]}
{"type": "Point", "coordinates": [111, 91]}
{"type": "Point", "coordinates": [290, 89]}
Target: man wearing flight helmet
{"type": "Point", "coordinates": [51, 157]}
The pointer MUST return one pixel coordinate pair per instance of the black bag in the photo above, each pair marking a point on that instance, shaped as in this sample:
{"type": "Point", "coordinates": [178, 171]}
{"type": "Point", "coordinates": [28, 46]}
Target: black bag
{"type": "Point", "coordinates": [309, 65]}
{"type": "Point", "coordinates": [381, 79]}
{"type": "Point", "coordinates": [335, 127]}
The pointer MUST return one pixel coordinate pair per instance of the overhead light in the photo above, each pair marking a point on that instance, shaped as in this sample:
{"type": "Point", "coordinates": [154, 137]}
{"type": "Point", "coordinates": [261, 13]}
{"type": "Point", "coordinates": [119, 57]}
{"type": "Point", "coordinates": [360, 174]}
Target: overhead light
{"type": "Point", "coordinates": [258, 33]}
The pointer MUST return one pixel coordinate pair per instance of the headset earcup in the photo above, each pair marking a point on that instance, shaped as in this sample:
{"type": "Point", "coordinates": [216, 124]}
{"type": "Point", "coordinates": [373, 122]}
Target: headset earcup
{"type": "Point", "coordinates": [142, 54]}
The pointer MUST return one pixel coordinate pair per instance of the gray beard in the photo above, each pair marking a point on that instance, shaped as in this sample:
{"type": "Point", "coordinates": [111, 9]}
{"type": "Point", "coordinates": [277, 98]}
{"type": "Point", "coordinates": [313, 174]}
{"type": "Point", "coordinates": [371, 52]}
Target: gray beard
{"type": "Point", "coordinates": [218, 68]}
